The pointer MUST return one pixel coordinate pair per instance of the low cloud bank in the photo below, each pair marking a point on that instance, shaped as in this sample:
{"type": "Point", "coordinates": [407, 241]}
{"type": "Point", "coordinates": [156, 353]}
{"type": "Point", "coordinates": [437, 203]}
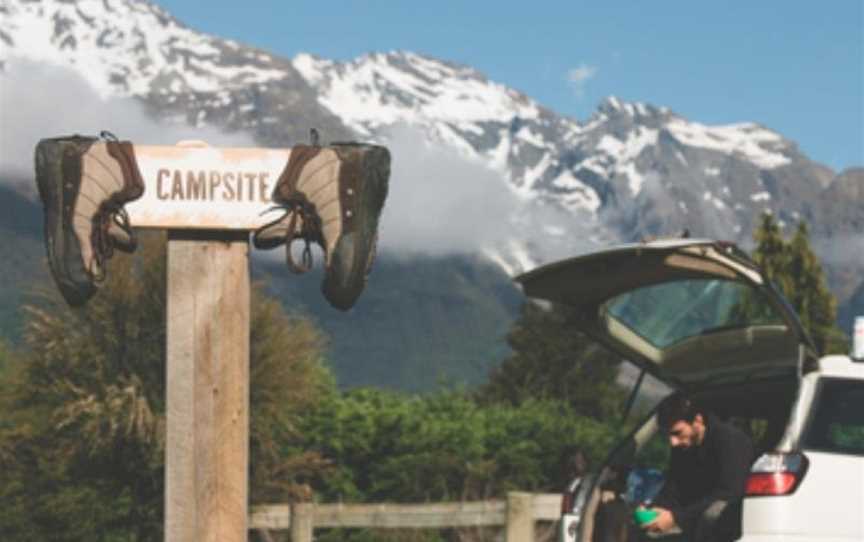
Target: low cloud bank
{"type": "Point", "coordinates": [440, 203]}
{"type": "Point", "coordinates": [39, 100]}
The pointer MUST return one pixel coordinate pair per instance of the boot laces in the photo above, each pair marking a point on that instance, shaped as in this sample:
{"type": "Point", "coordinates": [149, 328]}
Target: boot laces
{"type": "Point", "coordinates": [310, 231]}
{"type": "Point", "coordinates": [102, 241]}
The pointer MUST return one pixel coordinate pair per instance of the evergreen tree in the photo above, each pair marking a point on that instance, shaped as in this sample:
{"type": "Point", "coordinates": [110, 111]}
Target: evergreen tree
{"type": "Point", "coordinates": [795, 269]}
{"type": "Point", "coordinates": [771, 253]}
{"type": "Point", "coordinates": [809, 294]}
{"type": "Point", "coordinates": [551, 360]}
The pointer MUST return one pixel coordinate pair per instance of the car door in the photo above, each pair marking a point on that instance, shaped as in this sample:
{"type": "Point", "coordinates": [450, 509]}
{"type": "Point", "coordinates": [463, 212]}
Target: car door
{"type": "Point", "coordinates": [694, 312]}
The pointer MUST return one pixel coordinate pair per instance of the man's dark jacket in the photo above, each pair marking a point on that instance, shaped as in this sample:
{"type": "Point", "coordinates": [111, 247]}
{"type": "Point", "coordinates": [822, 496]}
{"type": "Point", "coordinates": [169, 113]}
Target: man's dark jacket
{"type": "Point", "coordinates": [698, 478]}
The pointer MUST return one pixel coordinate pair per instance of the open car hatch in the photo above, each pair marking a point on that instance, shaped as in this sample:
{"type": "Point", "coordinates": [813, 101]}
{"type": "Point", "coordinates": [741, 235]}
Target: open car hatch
{"type": "Point", "coordinates": [696, 312]}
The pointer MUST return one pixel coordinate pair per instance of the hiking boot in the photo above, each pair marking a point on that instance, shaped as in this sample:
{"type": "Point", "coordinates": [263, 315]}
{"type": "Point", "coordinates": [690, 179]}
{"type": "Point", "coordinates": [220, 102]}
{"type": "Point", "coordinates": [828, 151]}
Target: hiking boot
{"type": "Point", "coordinates": [331, 196]}
{"type": "Point", "coordinates": [84, 183]}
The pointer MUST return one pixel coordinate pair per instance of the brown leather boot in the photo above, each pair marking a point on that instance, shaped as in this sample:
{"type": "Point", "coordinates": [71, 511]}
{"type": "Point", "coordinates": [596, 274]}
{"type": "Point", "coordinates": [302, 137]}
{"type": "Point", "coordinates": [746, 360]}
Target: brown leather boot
{"type": "Point", "coordinates": [333, 196]}
{"type": "Point", "coordinates": [84, 182]}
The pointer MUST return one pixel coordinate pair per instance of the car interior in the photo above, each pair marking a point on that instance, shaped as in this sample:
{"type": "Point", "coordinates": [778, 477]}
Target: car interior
{"type": "Point", "coordinates": [761, 408]}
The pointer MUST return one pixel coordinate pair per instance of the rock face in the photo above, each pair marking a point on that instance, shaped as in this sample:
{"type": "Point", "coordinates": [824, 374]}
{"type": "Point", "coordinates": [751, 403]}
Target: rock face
{"type": "Point", "coordinates": [631, 170]}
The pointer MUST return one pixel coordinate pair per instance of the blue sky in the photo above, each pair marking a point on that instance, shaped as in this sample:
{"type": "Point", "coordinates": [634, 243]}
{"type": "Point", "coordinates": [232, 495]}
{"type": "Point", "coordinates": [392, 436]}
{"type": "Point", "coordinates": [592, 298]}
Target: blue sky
{"type": "Point", "coordinates": [796, 67]}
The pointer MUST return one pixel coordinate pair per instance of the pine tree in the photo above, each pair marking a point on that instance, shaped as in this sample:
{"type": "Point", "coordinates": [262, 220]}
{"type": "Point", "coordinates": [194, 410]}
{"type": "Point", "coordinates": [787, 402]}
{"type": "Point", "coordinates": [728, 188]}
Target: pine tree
{"type": "Point", "coordinates": [809, 294]}
{"type": "Point", "coordinates": [771, 253]}
{"type": "Point", "coordinates": [796, 271]}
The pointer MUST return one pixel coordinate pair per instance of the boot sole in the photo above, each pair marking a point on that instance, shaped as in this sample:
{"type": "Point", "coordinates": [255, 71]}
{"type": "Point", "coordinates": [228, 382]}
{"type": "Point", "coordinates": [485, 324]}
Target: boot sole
{"type": "Point", "coordinates": [376, 173]}
{"type": "Point", "coordinates": [61, 245]}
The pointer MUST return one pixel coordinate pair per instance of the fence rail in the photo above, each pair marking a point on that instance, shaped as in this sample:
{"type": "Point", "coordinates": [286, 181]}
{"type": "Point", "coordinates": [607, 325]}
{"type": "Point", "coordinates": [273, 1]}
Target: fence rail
{"type": "Point", "coordinates": [517, 514]}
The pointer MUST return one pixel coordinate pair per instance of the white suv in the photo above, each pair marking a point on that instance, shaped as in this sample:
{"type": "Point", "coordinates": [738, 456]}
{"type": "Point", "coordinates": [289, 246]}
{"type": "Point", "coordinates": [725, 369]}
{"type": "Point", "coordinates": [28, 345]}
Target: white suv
{"type": "Point", "coordinates": [699, 315]}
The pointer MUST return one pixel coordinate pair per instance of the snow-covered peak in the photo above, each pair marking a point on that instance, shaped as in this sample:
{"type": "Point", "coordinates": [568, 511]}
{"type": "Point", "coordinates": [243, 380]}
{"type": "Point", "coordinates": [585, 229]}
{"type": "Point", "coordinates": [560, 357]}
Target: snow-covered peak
{"type": "Point", "coordinates": [762, 147]}
{"type": "Point", "coordinates": [627, 150]}
{"type": "Point", "coordinates": [613, 107]}
{"type": "Point", "coordinates": [313, 68]}
{"type": "Point", "coordinates": [403, 87]}
{"type": "Point", "coordinates": [128, 47]}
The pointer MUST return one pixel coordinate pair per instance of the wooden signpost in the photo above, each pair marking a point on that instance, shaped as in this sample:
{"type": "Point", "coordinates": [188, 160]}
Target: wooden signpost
{"type": "Point", "coordinates": [208, 199]}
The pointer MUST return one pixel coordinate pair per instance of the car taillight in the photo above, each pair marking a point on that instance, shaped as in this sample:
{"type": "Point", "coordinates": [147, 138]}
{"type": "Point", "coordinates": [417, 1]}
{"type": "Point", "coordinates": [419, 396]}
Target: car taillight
{"type": "Point", "coordinates": [566, 503]}
{"type": "Point", "coordinates": [776, 474]}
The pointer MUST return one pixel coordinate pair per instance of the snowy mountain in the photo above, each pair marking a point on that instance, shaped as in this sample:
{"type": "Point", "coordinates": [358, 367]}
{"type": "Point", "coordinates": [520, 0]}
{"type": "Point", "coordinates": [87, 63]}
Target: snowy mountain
{"type": "Point", "coordinates": [631, 170]}
{"type": "Point", "coordinates": [638, 168]}
{"type": "Point", "coordinates": [642, 169]}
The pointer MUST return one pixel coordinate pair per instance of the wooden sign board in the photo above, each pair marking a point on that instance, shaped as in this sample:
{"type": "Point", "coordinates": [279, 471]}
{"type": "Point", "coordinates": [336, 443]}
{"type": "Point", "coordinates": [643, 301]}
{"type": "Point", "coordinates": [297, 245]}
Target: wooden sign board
{"type": "Point", "coordinates": [201, 187]}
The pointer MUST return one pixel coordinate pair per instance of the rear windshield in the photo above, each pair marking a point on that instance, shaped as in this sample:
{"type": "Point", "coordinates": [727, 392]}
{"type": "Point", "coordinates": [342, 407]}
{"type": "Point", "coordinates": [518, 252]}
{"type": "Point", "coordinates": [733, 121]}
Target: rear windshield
{"type": "Point", "coordinates": [664, 314]}
{"type": "Point", "coordinates": [837, 420]}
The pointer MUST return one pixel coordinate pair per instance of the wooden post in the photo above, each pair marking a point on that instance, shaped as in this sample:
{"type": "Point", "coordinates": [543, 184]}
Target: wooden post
{"type": "Point", "coordinates": [520, 517]}
{"type": "Point", "coordinates": [207, 448]}
{"type": "Point", "coordinates": [302, 522]}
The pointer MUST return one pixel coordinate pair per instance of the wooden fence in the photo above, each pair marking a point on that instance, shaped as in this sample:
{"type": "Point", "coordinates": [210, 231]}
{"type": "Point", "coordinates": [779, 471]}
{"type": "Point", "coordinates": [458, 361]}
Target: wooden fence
{"type": "Point", "coordinates": [517, 514]}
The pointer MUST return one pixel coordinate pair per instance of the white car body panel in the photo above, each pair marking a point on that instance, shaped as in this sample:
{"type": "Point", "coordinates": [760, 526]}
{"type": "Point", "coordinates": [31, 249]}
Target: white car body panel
{"type": "Point", "coordinates": [829, 503]}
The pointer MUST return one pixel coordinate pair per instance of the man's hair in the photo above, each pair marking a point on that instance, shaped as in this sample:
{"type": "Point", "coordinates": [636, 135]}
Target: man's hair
{"type": "Point", "coordinates": [677, 407]}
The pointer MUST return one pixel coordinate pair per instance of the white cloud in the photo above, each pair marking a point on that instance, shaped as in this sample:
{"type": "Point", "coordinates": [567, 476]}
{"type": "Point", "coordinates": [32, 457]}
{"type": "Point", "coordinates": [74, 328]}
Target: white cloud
{"type": "Point", "coordinates": [442, 202]}
{"type": "Point", "coordinates": [39, 100]}
{"type": "Point", "coordinates": [579, 76]}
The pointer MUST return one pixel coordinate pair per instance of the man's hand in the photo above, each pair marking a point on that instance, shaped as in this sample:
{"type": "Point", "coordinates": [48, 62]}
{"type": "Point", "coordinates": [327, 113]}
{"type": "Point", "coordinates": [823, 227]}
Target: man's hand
{"type": "Point", "coordinates": [664, 522]}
